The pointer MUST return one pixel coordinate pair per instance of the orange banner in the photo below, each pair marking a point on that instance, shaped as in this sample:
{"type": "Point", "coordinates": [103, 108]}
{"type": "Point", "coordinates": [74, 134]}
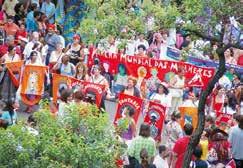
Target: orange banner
{"type": "Point", "coordinates": [14, 71]}
{"type": "Point", "coordinates": [189, 115]}
{"type": "Point", "coordinates": [32, 85]}
{"type": "Point", "coordinates": [60, 82]}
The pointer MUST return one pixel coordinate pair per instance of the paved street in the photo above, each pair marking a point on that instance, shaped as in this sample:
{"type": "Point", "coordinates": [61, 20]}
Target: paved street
{"type": "Point", "coordinates": [111, 108]}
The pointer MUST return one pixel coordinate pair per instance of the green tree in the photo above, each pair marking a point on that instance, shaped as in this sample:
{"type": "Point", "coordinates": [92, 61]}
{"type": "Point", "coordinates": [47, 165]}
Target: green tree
{"type": "Point", "coordinates": [202, 20]}
{"type": "Point", "coordinates": [83, 138]}
{"type": "Point", "coordinates": [104, 18]}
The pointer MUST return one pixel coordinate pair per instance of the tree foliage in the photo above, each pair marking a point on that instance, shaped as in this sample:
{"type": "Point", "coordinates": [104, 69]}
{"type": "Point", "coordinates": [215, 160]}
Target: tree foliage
{"type": "Point", "coordinates": [104, 18]}
{"type": "Point", "coordinates": [83, 138]}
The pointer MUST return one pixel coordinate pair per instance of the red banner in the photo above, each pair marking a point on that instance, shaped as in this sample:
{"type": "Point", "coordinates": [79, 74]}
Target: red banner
{"type": "Point", "coordinates": [231, 164]}
{"type": "Point", "coordinates": [224, 118]}
{"type": "Point", "coordinates": [155, 117]}
{"type": "Point", "coordinates": [126, 101]}
{"type": "Point", "coordinates": [140, 67]}
{"type": "Point", "coordinates": [95, 89]}
{"type": "Point", "coordinates": [61, 82]}
{"type": "Point", "coordinates": [14, 71]}
{"type": "Point", "coordinates": [32, 85]}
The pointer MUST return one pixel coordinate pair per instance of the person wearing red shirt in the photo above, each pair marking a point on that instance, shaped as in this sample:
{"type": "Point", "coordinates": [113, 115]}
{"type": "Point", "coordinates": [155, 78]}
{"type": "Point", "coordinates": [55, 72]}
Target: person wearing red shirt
{"type": "Point", "coordinates": [4, 46]}
{"type": "Point", "coordinates": [21, 32]}
{"type": "Point", "coordinates": [180, 147]}
{"type": "Point", "coordinates": [10, 27]}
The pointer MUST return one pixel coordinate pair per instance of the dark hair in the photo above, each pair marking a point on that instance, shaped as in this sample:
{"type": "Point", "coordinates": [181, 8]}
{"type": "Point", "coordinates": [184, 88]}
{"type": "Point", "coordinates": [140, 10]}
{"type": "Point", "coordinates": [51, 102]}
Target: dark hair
{"type": "Point", "coordinates": [10, 48]}
{"type": "Point", "coordinates": [131, 111]}
{"type": "Point", "coordinates": [78, 95]}
{"type": "Point", "coordinates": [144, 130]}
{"type": "Point", "coordinates": [3, 124]}
{"type": "Point", "coordinates": [236, 117]}
{"type": "Point", "coordinates": [122, 66]}
{"type": "Point", "coordinates": [232, 101]}
{"type": "Point", "coordinates": [33, 6]}
{"type": "Point", "coordinates": [31, 120]}
{"type": "Point", "coordinates": [197, 152]}
{"type": "Point", "coordinates": [175, 115]}
{"type": "Point", "coordinates": [9, 107]}
{"type": "Point", "coordinates": [231, 52]}
{"type": "Point", "coordinates": [188, 129]}
{"type": "Point", "coordinates": [36, 14]}
{"type": "Point", "coordinates": [142, 46]}
{"type": "Point", "coordinates": [32, 54]}
{"type": "Point", "coordinates": [166, 91]}
{"type": "Point", "coordinates": [17, 7]}
{"type": "Point", "coordinates": [162, 148]}
{"type": "Point", "coordinates": [10, 17]}
{"type": "Point", "coordinates": [241, 122]}
{"type": "Point", "coordinates": [65, 94]}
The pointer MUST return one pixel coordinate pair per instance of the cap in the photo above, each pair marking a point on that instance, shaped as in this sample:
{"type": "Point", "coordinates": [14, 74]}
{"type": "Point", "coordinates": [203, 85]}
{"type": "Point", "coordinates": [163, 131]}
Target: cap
{"type": "Point", "coordinates": [76, 37]}
{"type": "Point", "coordinates": [51, 27]}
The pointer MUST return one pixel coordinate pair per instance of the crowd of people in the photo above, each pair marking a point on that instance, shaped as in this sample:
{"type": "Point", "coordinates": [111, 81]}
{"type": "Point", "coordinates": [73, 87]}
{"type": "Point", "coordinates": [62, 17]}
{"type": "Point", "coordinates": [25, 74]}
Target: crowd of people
{"type": "Point", "coordinates": [28, 33]}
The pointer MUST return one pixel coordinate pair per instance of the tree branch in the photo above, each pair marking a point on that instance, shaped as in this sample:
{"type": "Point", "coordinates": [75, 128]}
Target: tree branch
{"type": "Point", "coordinates": [203, 36]}
{"type": "Point", "coordinates": [195, 138]}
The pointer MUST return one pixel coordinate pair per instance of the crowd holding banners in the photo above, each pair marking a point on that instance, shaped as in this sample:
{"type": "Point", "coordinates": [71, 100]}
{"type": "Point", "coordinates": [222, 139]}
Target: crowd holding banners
{"type": "Point", "coordinates": [168, 84]}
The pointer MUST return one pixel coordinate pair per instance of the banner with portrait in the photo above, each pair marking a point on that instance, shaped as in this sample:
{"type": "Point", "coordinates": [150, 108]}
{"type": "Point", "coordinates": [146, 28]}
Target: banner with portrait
{"type": "Point", "coordinates": [14, 71]}
{"type": "Point", "coordinates": [189, 115]}
{"type": "Point", "coordinates": [143, 68]}
{"type": "Point", "coordinates": [59, 83]}
{"type": "Point", "coordinates": [155, 117]}
{"type": "Point", "coordinates": [128, 103]}
{"type": "Point", "coordinates": [32, 84]}
{"type": "Point", "coordinates": [96, 90]}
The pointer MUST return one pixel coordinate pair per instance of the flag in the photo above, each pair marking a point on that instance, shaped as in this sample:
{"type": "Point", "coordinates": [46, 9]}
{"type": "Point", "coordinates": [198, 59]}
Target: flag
{"type": "Point", "coordinates": [14, 71]}
{"type": "Point", "coordinates": [231, 164]}
{"type": "Point", "coordinates": [155, 117]}
{"type": "Point", "coordinates": [224, 118]}
{"type": "Point", "coordinates": [189, 115]}
{"type": "Point", "coordinates": [95, 89]}
{"type": "Point", "coordinates": [32, 84]}
{"type": "Point", "coordinates": [194, 75]}
{"type": "Point", "coordinates": [59, 83]}
{"type": "Point", "coordinates": [128, 102]}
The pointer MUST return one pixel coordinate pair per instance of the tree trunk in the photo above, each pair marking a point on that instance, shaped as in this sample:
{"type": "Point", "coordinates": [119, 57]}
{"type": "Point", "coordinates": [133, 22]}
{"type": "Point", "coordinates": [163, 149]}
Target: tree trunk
{"type": "Point", "coordinates": [195, 138]}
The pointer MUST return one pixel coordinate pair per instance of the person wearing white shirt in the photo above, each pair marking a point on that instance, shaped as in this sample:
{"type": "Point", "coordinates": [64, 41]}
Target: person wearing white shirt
{"type": "Point", "coordinates": [192, 101]}
{"type": "Point", "coordinates": [56, 56]}
{"type": "Point", "coordinates": [130, 47]}
{"type": "Point", "coordinates": [162, 96]}
{"type": "Point", "coordinates": [141, 41]}
{"type": "Point", "coordinates": [29, 46]}
{"type": "Point", "coordinates": [34, 59]}
{"type": "Point", "coordinates": [160, 160]}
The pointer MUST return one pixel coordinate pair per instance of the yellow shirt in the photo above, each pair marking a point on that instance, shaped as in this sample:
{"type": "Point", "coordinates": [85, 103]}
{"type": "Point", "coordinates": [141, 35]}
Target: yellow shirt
{"type": "Point", "coordinates": [204, 145]}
